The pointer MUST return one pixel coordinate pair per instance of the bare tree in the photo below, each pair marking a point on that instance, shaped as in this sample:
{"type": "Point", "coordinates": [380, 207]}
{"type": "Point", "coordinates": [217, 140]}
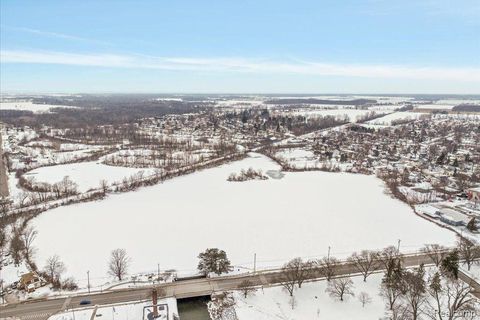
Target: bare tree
{"type": "Point", "coordinates": [327, 267]}
{"type": "Point", "coordinates": [16, 246]}
{"type": "Point", "coordinates": [391, 286]}
{"type": "Point", "coordinates": [389, 258]}
{"type": "Point", "coordinates": [299, 270]}
{"type": "Point", "coordinates": [414, 292]}
{"type": "Point", "coordinates": [452, 299]}
{"type": "Point", "coordinates": [288, 279]}
{"type": "Point", "coordinates": [366, 262]}
{"type": "Point", "coordinates": [339, 288]}
{"type": "Point", "coordinates": [463, 181]}
{"type": "Point", "coordinates": [28, 236]}
{"type": "Point", "coordinates": [22, 198]}
{"type": "Point", "coordinates": [104, 186]}
{"type": "Point", "coordinates": [3, 238]}
{"type": "Point", "coordinates": [4, 206]}
{"type": "Point", "coordinates": [469, 251]}
{"type": "Point", "coordinates": [246, 287]}
{"type": "Point", "coordinates": [54, 268]}
{"type": "Point", "coordinates": [364, 298]}
{"type": "Point", "coordinates": [119, 262]}
{"type": "Point", "coordinates": [435, 252]}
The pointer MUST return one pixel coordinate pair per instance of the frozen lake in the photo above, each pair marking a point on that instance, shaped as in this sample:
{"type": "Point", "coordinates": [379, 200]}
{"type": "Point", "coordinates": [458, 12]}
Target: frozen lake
{"type": "Point", "coordinates": [299, 215]}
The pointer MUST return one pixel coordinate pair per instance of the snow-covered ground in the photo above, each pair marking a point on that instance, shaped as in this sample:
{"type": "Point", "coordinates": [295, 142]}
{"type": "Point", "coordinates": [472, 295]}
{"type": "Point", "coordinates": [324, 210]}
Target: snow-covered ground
{"type": "Point", "coordinates": [137, 311]}
{"type": "Point", "coordinates": [29, 106]}
{"type": "Point", "coordinates": [312, 302]}
{"type": "Point", "coordinates": [352, 114]}
{"type": "Point", "coordinates": [435, 106]}
{"type": "Point", "coordinates": [86, 174]}
{"type": "Point", "coordinates": [10, 273]}
{"type": "Point", "coordinates": [301, 214]}
{"type": "Point", "coordinates": [387, 120]}
{"type": "Point", "coordinates": [299, 157]}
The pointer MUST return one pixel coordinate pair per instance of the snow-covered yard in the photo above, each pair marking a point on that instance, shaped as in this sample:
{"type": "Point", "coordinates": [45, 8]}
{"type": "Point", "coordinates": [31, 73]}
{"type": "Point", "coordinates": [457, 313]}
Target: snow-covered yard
{"type": "Point", "coordinates": [311, 302]}
{"type": "Point", "coordinates": [86, 174]}
{"type": "Point", "coordinates": [301, 214]}
{"type": "Point", "coordinates": [11, 273]}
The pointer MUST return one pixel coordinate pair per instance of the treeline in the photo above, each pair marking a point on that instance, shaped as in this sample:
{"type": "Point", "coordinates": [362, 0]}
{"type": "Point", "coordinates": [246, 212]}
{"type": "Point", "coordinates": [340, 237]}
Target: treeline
{"type": "Point", "coordinates": [467, 108]}
{"type": "Point", "coordinates": [91, 111]}
{"type": "Point", "coordinates": [353, 102]}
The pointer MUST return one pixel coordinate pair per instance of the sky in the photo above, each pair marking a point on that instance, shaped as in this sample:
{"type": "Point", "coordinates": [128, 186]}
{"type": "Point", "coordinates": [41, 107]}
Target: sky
{"type": "Point", "coordinates": [240, 46]}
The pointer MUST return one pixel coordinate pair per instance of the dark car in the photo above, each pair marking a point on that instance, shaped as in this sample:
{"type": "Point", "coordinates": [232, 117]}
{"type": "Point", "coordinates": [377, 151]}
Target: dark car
{"type": "Point", "coordinates": [84, 302]}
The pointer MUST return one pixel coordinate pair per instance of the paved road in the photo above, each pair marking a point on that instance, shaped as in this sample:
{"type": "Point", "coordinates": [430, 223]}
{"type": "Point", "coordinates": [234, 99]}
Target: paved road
{"type": "Point", "coordinates": [41, 309]}
{"type": "Point", "coordinates": [3, 173]}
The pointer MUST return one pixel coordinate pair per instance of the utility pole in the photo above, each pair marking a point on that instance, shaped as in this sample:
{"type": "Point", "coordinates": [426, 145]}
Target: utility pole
{"type": "Point", "coordinates": [1, 292]}
{"type": "Point", "coordinates": [158, 271]}
{"type": "Point", "coordinates": [1, 285]}
{"type": "Point", "coordinates": [88, 281]}
{"type": "Point", "coordinates": [328, 256]}
{"type": "Point", "coordinates": [254, 262]}
{"type": "Point", "coordinates": [398, 245]}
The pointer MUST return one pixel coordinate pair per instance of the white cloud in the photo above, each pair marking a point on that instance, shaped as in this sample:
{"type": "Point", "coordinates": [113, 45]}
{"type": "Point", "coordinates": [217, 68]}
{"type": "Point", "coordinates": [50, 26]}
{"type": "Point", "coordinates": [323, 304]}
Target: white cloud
{"type": "Point", "coordinates": [56, 35]}
{"type": "Point", "coordinates": [464, 74]}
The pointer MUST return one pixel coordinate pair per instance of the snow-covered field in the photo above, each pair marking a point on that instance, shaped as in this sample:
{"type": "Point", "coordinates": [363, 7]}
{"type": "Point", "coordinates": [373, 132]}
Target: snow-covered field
{"type": "Point", "coordinates": [435, 106]}
{"type": "Point", "coordinates": [312, 302]}
{"type": "Point", "coordinates": [387, 120]}
{"type": "Point", "coordinates": [352, 114]}
{"type": "Point", "coordinates": [29, 106]}
{"type": "Point", "coordinates": [301, 214]}
{"type": "Point", "coordinates": [86, 174]}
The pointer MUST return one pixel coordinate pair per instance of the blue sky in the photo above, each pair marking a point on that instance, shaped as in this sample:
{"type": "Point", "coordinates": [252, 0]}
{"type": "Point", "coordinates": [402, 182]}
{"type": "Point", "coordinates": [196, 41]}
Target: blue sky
{"type": "Point", "coordinates": [262, 46]}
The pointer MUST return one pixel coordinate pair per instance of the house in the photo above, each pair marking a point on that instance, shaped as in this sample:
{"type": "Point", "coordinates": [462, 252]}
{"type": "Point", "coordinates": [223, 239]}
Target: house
{"type": "Point", "coordinates": [31, 281]}
{"type": "Point", "coordinates": [474, 194]}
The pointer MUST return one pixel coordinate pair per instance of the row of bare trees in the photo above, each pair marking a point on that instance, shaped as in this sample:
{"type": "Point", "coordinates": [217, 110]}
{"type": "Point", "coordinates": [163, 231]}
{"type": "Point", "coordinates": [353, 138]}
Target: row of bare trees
{"type": "Point", "coordinates": [435, 293]}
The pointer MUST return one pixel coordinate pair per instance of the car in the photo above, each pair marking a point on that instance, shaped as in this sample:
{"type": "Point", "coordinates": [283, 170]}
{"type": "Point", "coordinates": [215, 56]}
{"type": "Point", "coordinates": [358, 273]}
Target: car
{"type": "Point", "coordinates": [85, 302]}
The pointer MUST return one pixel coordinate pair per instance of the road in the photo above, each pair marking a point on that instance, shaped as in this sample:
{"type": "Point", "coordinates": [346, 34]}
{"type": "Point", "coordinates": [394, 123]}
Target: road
{"type": "Point", "coordinates": [3, 173]}
{"type": "Point", "coordinates": [41, 309]}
